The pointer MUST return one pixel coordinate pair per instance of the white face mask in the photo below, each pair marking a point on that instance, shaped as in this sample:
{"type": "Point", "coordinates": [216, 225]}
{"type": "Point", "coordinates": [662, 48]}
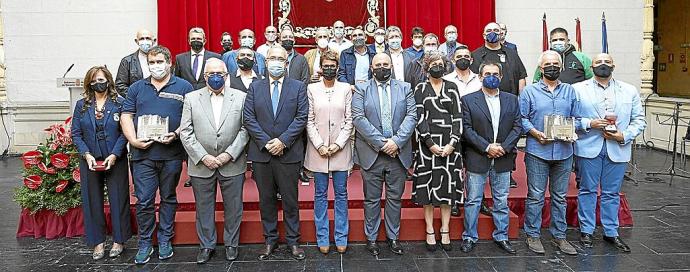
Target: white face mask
{"type": "Point", "coordinates": [158, 70]}
{"type": "Point", "coordinates": [338, 32]}
{"type": "Point", "coordinates": [417, 42]}
{"type": "Point", "coordinates": [271, 37]}
{"type": "Point", "coordinates": [379, 39]}
{"type": "Point", "coordinates": [451, 37]}
{"type": "Point", "coordinates": [247, 42]}
{"type": "Point", "coordinates": [395, 43]}
{"type": "Point", "coordinates": [322, 43]}
{"type": "Point", "coordinates": [145, 45]}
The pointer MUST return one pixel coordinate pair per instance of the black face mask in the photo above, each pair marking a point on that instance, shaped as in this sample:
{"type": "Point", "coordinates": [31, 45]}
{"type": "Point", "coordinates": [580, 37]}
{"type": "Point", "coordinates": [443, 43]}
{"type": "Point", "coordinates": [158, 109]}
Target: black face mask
{"type": "Point", "coordinates": [552, 72]}
{"type": "Point", "coordinates": [227, 46]}
{"type": "Point", "coordinates": [287, 44]}
{"type": "Point", "coordinates": [245, 64]}
{"type": "Point", "coordinates": [603, 71]}
{"type": "Point", "coordinates": [100, 87]}
{"type": "Point", "coordinates": [437, 71]}
{"type": "Point", "coordinates": [382, 74]}
{"type": "Point", "coordinates": [462, 64]}
{"type": "Point", "coordinates": [196, 45]}
{"type": "Point", "coordinates": [329, 73]}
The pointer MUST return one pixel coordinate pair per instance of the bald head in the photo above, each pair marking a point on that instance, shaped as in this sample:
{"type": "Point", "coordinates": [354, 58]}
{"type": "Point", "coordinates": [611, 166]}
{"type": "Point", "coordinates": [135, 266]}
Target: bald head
{"type": "Point", "coordinates": [603, 66]}
{"type": "Point", "coordinates": [144, 33]}
{"type": "Point", "coordinates": [246, 33]}
{"type": "Point", "coordinates": [381, 60]}
{"type": "Point", "coordinates": [602, 58]}
{"type": "Point", "coordinates": [213, 68]}
{"type": "Point", "coordinates": [215, 65]}
{"type": "Point", "coordinates": [492, 27]}
{"type": "Point", "coordinates": [144, 39]}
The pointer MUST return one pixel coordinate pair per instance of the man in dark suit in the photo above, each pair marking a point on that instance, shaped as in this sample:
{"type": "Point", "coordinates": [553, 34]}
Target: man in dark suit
{"type": "Point", "coordinates": [275, 114]}
{"type": "Point", "coordinates": [247, 72]}
{"type": "Point", "coordinates": [491, 123]}
{"type": "Point", "coordinates": [134, 67]}
{"type": "Point", "coordinates": [190, 65]}
{"type": "Point", "coordinates": [403, 61]}
{"type": "Point", "coordinates": [297, 67]}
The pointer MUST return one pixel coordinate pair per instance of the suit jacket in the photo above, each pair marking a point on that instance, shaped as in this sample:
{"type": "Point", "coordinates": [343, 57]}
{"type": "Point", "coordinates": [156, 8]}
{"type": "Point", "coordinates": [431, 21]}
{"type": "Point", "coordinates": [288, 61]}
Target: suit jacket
{"type": "Point", "coordinates": [201, 136]}
{"type": "Point", "coordinates": [366, 112]}
{"type": "Point", "coordinates": [128, 72]}
{"type": "Point", "coordinates": [347, 64]}
{"type": "Point", "coordinates": [183, 68]}
{"type": "Point", "coordinates": [236, 81]}
{"type": "Point", "coordinates": [298, 69]}
{"type": "Point", "coordinates": [412, 71]}
{"type": "Point", "coordinates": [630, 119]}
{"type": "Point", "coordinates": [417, 69]}
{"type": "Point", "coordinates": [84, 128]}
{"type": "Point", "coordinates": [311, 58]}
{"type": "Point", "coordinates": [287, 125]}
{"type": "Point", "coordinates": [329, 122]}
{"type": "Point", "coordinates": [478, 131]}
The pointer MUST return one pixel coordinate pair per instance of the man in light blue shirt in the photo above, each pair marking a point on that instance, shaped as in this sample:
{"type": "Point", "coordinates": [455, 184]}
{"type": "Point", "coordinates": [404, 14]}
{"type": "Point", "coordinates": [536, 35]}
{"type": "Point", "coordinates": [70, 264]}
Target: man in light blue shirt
{"type": "Point", "coordinates": [547, 161]}
{"type": "Point", "coordinates": [603, 151]}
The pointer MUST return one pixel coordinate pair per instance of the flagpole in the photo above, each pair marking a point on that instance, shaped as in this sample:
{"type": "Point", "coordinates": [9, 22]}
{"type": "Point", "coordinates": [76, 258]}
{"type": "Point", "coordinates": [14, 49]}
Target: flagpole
{"type": "Point", "coordinates": [604, 35]}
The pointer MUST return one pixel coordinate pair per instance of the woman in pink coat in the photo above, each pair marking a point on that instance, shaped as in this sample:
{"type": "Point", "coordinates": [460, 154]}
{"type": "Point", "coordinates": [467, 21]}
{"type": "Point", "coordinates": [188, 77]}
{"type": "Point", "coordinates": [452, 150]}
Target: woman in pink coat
{"type": "Point", "coordinates": [329, 151]}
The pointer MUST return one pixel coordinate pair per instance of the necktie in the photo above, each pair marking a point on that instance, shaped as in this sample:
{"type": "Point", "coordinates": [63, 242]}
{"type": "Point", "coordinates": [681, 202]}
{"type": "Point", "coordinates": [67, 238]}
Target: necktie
{"type": "Point", "coordinates": [195, 65]}
{"type": "Point", "coordinates": [386, 115]}
{"type": "Point", "coordinates": [275, 98]}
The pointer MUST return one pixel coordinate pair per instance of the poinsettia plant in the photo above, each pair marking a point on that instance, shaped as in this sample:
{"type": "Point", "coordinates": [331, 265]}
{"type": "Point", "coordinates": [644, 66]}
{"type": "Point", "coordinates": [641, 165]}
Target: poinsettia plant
{"type": "Point", "coordinates": [51, 173]}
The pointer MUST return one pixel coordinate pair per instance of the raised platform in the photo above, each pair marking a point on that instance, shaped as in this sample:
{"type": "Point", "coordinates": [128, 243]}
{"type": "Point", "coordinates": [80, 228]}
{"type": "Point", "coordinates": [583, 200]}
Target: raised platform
{"type": "Point", "coordinates": [412, 224]}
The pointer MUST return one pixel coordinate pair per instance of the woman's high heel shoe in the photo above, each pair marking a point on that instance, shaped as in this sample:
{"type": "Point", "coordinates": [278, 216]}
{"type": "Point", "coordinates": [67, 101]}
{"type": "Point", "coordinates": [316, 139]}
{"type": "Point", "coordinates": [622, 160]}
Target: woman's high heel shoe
{"type": "Point", "coordinates": [430, 247]}
{"type": "Point", "coordinates": [448, 246]}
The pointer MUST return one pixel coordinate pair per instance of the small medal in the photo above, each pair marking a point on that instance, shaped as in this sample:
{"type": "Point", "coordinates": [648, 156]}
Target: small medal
{"type": "Point", "coordinates": [116, 117]}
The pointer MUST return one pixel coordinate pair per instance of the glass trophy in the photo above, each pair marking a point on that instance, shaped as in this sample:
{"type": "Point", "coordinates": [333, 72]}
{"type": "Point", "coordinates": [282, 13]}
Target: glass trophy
{"type": "Point", "coordinates": [151, 127]}
{"type": "Point", "coordinates": [558, 127]}
{"type": "Point", "coordinates": [610, 115]}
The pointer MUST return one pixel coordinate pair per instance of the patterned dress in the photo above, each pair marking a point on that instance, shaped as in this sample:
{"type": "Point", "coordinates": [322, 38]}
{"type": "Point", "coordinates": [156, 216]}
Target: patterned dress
{"type": "Point", "coordinates": [438, 180]}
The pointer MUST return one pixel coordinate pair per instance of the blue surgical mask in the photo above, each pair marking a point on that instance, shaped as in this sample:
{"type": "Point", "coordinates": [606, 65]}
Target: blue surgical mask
{"type": "Point", "coordinates": [492, 37]}
{"type": "Point", "coordinates": [276, 68]}
{"type": "Point", "coordinates": [216, 81]}
{"type": "Point", "coordinates": [558, 46]}
{"type": "Point", "coordinates": [491, 82]}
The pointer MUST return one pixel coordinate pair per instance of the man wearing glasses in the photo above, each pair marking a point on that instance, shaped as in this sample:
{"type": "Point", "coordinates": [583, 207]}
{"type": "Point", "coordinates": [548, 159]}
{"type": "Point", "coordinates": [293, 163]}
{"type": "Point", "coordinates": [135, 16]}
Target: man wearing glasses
{"type": "Point", "coordinates": [275, 115]}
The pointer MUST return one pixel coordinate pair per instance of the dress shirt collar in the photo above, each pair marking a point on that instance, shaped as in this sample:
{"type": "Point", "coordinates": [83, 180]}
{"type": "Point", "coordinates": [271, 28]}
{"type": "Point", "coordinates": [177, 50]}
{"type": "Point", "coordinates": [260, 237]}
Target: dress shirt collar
{"type": "Point", "coordinates": [457, 76]}
{"type": "Point", "coordinates": [280, 81]}
{"type": "Point", "coordinates": [201, 53]}
{"type": "Point", "coordinates": [491, 96]}
{"type": "Point", "coordinates": [221, 93]}
{"type": "Point", "coordinates": [239, 73]}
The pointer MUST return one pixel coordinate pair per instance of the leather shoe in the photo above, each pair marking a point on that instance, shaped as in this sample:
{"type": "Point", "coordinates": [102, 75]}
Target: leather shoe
{"type": "Point", "coordinates": [455, 210]}
{"type": "Point", "coordinates": [618, 242]}
{"type": "Point", "coordinates": [341, 249]}
{"type": "Point", "coordinates": [505, 245]}
{"type": "Point", "coordinates": [324, 249]}
{"type": "Point", "coordinates": [395, 246]}
{"type": "Point", "coordinates": [297, 252]}
{"type": "Point", "coordinates": [484, 209]}
{"type": "Point", "coordinates": [467, 245]}
{"type": "Point", "coordinates": [231, 253]}
{"type": "Point", "coordinates": [586, 240]}
{"type": "Point", "coordinates": [204, 255]}
{"type": "Point", "coordinates": [266, 252]}
{"type": "Point", "coordinates": [373, 248]}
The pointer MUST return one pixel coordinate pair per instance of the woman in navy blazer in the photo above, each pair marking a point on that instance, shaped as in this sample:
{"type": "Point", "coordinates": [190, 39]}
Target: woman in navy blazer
{"type": "Point", "coordinates": [96, 133]}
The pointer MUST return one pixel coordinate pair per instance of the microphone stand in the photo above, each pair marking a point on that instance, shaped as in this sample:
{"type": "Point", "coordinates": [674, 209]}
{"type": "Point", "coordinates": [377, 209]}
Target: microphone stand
{"type": "Point", "coordinates": [671, 171]}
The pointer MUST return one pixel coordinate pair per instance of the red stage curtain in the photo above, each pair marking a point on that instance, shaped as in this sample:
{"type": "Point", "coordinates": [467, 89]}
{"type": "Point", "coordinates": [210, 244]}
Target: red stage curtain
{"type": "Point", "coordinates": [176, 17]}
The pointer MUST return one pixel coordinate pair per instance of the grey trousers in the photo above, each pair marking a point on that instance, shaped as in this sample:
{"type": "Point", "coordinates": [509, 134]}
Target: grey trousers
{"type": "Point", "coordinates": [391, 172]}
{"type": "Point", "coordinates": [205, 197]}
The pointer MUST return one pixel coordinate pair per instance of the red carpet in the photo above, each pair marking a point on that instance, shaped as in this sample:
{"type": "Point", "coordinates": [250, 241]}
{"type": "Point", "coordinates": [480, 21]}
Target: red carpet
{"type": "Point", "coordinates": [412, 225]}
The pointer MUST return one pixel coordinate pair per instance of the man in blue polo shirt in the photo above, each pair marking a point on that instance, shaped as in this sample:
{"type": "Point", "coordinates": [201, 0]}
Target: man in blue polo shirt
{"type": "Point", "coordinates": [156, 163]}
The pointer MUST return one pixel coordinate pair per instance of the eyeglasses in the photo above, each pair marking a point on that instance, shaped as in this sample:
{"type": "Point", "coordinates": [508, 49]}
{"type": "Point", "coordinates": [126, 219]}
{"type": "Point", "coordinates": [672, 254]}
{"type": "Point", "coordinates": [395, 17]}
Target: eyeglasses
{"type": "Point", "coordinates": [222, 74]}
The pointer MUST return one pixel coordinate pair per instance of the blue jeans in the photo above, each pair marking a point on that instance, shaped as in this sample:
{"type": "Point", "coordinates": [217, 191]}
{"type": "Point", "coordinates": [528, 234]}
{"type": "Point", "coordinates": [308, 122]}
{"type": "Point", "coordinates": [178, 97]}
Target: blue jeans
{"type": "Point", "coordinates": [148, 177]}
{"type": "Point", "coordinates": [321, 208]}
{"type": "Point", "coordinates": [500, 186]}
{"type": "Point", "coordinates": [557, 174]}
{"type": "Point", "coordinates": [595, 172]}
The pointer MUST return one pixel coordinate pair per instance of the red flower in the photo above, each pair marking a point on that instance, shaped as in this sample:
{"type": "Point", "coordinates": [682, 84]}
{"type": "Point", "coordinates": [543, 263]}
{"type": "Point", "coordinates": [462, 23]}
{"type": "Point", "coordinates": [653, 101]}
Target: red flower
{"type": "Point", "coordinates": [45, 169]}
{"type": "Point", "coordinates": [60, 160]}
{"type": "Point", "coordinates": [32, 157]}
{"type": "Point", "coordinates": [33, 182]}
{"type": "Point", "coordinates": [62, 184]}
{"type": "Point", "coordinates": [76, 175]}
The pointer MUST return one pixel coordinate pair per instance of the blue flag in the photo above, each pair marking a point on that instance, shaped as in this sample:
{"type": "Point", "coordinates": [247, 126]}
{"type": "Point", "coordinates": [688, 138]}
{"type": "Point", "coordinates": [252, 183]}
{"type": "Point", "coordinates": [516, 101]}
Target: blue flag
{"type": "Point", "coordinates": [604, 36]}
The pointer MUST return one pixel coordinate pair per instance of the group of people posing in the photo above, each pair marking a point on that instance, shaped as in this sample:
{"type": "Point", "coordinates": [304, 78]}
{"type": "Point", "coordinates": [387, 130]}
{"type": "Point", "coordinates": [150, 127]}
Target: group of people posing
{"type": "Point", "coordinates": [438, 113]}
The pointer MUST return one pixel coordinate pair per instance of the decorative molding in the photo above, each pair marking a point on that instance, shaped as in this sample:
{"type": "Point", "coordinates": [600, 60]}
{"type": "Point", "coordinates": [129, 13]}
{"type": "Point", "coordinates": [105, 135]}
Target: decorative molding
{"type": "Point", "coordinates": [374, 20]}
{"type": "Point", "coordinates": [647, 55]}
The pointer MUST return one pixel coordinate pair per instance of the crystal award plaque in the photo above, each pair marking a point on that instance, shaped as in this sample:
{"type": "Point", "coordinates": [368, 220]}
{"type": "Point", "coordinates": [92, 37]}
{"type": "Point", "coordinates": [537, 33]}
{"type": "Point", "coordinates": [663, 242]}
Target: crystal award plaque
{"type": "Point", "coordinates": [151, 127]}
{"type": "Point", "coordinates": [558, 127]}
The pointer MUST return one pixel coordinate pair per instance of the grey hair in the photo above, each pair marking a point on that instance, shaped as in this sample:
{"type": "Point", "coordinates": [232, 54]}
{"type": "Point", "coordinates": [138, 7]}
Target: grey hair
{"type": "Point", "coordinates": [432, 56]}
{"type": "Point", "coordinates": [393, 29]}
{"type": "Point", "coordinates": [197, 30]}
{"type": "Point", "coordinates": [549, 52]}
